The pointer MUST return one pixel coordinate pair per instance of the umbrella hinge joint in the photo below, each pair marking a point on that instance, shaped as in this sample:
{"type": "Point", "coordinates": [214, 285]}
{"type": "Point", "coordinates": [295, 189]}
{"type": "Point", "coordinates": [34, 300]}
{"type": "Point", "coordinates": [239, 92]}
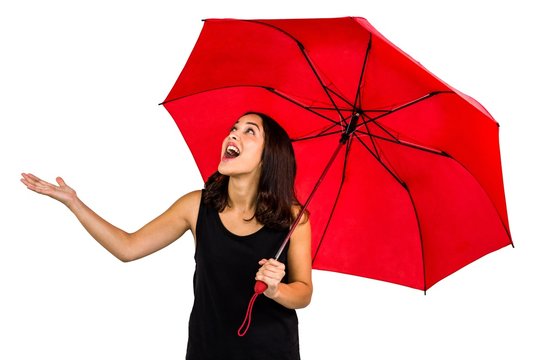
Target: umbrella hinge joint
{"type": "Point", "coordinates": [351, 127]}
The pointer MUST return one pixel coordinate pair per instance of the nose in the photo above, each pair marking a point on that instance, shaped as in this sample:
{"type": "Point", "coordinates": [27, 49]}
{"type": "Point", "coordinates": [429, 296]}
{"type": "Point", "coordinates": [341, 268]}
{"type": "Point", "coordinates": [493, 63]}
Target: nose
{"type": "Point", "coordinates": [233, 136]}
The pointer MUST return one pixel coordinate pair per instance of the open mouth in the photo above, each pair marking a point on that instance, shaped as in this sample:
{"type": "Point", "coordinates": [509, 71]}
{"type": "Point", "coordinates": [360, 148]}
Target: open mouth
{"type": "Point", "coordinates": [231, 152]}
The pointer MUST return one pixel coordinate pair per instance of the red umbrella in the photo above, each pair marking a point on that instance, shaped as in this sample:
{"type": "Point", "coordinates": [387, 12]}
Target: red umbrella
{"type": "Point", "coordinates": [413, 188]}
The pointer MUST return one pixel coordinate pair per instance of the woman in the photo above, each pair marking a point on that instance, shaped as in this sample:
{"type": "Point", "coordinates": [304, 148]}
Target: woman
{"type": "Point", "coordinates": [238, 221]}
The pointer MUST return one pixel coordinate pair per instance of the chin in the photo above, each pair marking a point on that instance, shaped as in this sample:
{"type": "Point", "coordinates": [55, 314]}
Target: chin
{"type": "Point", "coordinates": [231, 168]}
{"type": "Point", "coordinates": [222, 169]}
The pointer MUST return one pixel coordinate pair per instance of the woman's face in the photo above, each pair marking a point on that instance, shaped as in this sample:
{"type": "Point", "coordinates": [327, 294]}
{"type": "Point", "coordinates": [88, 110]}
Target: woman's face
{"type": "Point", "coordinates": [241, 152]}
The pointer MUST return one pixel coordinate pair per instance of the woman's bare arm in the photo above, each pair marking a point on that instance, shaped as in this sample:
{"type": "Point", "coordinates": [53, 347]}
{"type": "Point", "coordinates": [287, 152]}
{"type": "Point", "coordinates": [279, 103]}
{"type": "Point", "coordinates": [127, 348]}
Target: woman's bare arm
{"type": "Point", "coordinates": [158, 233]}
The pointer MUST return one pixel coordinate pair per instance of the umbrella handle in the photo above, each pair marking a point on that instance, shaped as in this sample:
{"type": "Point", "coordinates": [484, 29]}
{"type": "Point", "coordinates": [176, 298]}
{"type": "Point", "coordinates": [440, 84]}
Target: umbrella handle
{"type": "Point", "coordinates": [259, 288]}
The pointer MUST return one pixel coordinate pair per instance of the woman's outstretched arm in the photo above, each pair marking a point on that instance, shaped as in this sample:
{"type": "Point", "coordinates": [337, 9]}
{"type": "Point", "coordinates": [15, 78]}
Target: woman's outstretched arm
{"type": "Point", "coordinates": [155, 235]}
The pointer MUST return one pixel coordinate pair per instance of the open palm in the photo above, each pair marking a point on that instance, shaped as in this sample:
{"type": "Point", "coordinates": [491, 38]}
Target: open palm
{"type": "Point", "coordinates": [60, 192]}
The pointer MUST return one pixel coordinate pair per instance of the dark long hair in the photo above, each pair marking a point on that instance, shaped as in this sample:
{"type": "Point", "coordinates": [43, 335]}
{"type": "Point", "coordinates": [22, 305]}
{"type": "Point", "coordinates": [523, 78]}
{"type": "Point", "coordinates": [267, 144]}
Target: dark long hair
{"type": "Point", "coordinates": [276, 194]}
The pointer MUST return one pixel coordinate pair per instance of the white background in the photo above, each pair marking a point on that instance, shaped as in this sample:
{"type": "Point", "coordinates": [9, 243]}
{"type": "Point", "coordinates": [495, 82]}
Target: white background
{"type": "Point", "coordinates": [80, 84]}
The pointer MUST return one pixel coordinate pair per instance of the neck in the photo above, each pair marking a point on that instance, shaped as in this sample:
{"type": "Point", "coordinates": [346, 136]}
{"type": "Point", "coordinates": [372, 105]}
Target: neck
{"type": "Point", "coordinates": [243, 193]}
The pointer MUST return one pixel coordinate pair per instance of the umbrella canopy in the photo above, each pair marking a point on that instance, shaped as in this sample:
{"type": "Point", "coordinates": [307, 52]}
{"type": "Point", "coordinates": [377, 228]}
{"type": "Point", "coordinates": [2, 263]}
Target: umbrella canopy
{"type": "Point", "coordinates": [415, 189]}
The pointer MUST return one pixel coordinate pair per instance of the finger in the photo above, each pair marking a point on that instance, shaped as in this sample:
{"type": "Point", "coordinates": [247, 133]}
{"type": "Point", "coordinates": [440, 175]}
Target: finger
{"type": "Point", "coordinates": [28, 178]}
{"type": "Point", "coordinates": [60, 181]}
{"type": "Point", "coordinates": [276, 263]}
{"type": "Point", "coordinates": [260, 277]}
{"type": "Point", "coordinates": [29, 185]}
{"type": "Point", "coordinates": [266, 268]}
{"type": "Point", "coordinates": [271, 268]}
{"type": "Point", "coordinates": [270, 281]}
{"type": "Point", "coordinates": [265, 271]}
{"type": "Point", "coordinates": [38, 185]}
{"type": "Point", "coordinates": [263, 261]}
{"type": "Point", "coordinates": [274, 268]}
{"type": "Point", "coordinates": [273, 273]}
{"type": "Point", "coordinates": [35, 188]}
{"type": "Point", "coordinates": [32, 177]}
{"type": "Point", "coordinates": [29, 182]}
{"type": "Point", "coordinates": [37, 181]}
{"type": "Point", "coordinates": [24, 179]}
{"type": "Point", "coordinates": [43, 185]}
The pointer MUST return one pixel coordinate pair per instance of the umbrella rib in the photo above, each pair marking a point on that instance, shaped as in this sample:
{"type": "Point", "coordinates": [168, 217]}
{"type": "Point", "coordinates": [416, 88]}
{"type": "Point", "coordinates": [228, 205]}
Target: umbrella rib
{"type": "Point", "coordinates": [404, 184]}
{"type": "Point", "coordinates": [213, 89]}
{"type": "Point", "coordinates": [324, 132]}
{"type": "Point", "coordinates": [310, 63]}
{"type": "Point", "coordinates": [335, 202]}
{"type": "Point", "coordinates": [487, 195]}
{"type": "Point", "coordinates": [383, 128]}
{"type": "Point", "coordinates": [308, 108]}
{"type": "Point", "coordinates": [325, 88]}
{"type": "Point", "coordinates": [376, 111]}
{"type": "Point", "coordinates": [371, 137]}
{"type": "Point", "coordinates": [342, 99]}
{"type": "Point", "coordinates": [360, 81]}
{"type": "Point", "coordinates": [326, 108]}
{"type": "Point", "coordinates": [381, 162]}
{"type": "Point", "coordinates": [410, 103]}
{"type": "Point", "coordinates": [274, 91]}
{"type": "Point", "coordinates": [406, 143]}
{"type": "Point", "coordinates": [420, 237]}
{"type": "Point", "coordinates": [396, 140]}
{"type": "Point", "coordinates": [317, 136]}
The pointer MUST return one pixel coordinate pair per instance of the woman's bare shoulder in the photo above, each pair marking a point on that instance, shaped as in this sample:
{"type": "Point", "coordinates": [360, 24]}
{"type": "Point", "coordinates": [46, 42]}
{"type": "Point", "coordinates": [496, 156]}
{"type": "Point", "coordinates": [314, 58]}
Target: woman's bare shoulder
{"type": "Point", "coordinates": [187, 207]}
{"type": "Point", "coordinates": [193, 197]}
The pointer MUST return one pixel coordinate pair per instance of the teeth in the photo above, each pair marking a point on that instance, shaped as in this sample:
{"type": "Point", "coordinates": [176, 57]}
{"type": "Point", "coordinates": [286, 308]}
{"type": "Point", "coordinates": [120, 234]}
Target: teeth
{"type": "Point", "coordinates": [233, 150]}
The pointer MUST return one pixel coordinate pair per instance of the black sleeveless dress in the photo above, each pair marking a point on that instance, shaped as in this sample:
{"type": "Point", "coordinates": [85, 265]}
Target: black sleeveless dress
{"type": "Point", "coordinates": [223, 282]}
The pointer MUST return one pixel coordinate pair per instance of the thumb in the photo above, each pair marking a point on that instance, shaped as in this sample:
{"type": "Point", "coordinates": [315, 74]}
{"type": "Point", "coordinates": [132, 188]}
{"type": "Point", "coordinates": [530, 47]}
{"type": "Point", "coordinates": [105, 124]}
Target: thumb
{"type": "Point", "coordinates": [60, 181]}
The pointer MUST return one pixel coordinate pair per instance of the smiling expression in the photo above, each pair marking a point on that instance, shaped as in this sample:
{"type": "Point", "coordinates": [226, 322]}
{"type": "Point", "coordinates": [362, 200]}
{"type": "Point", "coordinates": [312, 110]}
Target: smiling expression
{"type": "Point", "coordinates": [242, 149]}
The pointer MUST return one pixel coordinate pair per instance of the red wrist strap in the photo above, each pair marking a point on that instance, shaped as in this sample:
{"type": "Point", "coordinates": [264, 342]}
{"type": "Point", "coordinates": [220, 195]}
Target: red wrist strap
{"type": "Point", "coordinates": [259, 288]}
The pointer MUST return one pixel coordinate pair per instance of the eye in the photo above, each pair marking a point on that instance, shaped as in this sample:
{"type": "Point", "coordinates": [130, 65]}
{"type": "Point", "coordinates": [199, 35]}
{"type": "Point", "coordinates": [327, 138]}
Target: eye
{"type": "Point", "coordinates": [251, 131]}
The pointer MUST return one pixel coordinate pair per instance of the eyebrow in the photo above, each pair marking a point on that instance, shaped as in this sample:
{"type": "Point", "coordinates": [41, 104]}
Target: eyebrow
{"type": "Point", "coordinates": [249, 123]}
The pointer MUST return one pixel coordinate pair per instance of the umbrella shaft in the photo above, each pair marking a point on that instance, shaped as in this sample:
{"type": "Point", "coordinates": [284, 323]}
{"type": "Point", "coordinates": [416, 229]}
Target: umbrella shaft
{"type": "Point", "coordinates": [350, 128]}
{"type": "Point", "coordinates": [303, 210]}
